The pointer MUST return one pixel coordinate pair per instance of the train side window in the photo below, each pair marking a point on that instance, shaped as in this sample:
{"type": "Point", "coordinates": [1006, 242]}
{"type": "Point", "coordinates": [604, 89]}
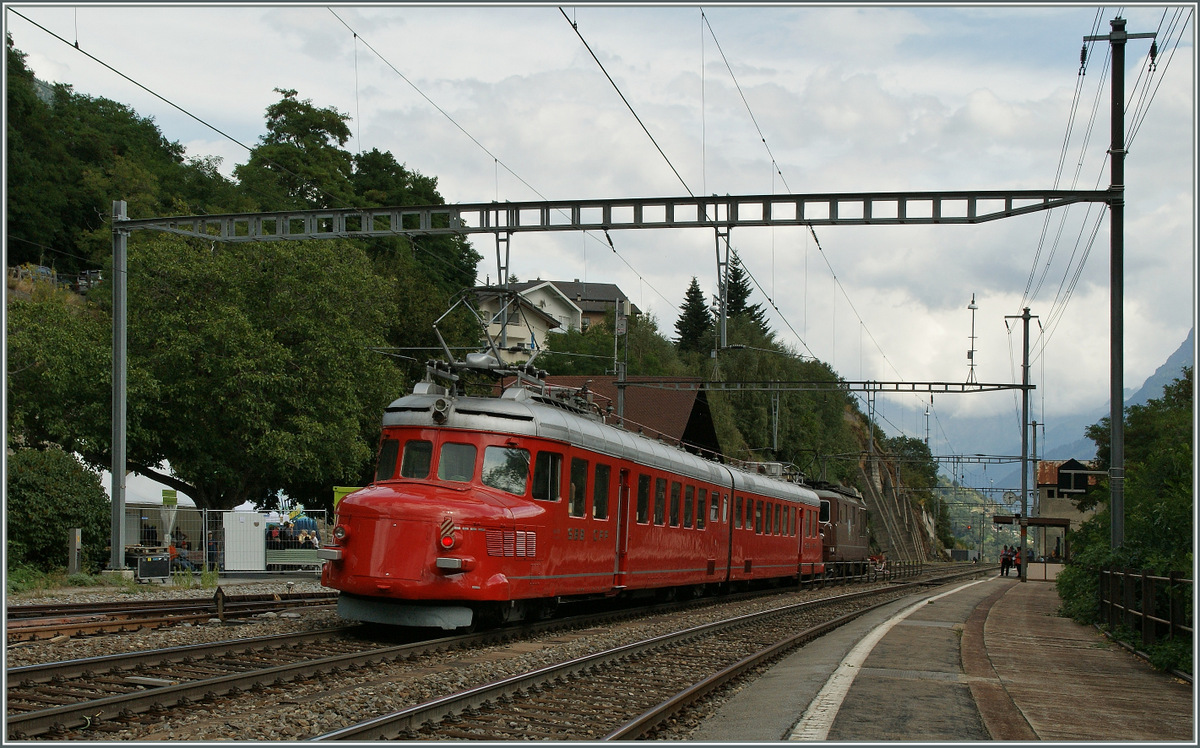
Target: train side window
{"type": "Point", "coordinates": [767, 529]}
{"type": "Point", "coordinates": [457, 462]}
{"type": "Point", "coordinates": [547, 476]}
{"type": "Point", "coordinates": [418, 454]}
{"type": "Point", "coordinates": [778, 523]}
{"type": "Point", "coordinates": [824, 510]}
{"type": "Point", "coordinates": [643, 502]}
{"type": "Point", "coordinates": [795, 520]}
{"type": "Point", "coordinates": [689, 503]}
{"type": "Point", "coordinates": [758, 517]}
{"type": "Point", "coordinates": [714, 516]}
{"type": "Point", "coordinates": [724, 507]}
{"type": "Point", "coordinates": [506, 468]}
{"type": "Point", "coordinates": [737, 513]}
{"type": "Point", "coordinates": [577, 501]}
{"type": "Point", "coordinates": [600, 492]}
{"type": "Point", "coordinates": [386, 465]}
{"type": "Point", "coordinates": [702, 507]}
{"type": "Point", "coordinates": [660, 500]}
{"type": "Point", "coordinates": [676, 490]}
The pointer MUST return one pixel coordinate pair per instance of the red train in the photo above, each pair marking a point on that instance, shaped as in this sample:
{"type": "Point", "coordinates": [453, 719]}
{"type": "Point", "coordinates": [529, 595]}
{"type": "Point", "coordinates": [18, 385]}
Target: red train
{"type": "Point", "coordinates": [491, 509]}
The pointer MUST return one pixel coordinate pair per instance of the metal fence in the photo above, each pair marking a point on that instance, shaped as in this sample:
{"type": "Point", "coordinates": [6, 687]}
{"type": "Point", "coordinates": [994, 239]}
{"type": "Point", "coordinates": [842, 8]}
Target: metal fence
{"type": "Point", "coordinates": [200, 539]}
{"type": "Point", "coordinates": [1161, 607]}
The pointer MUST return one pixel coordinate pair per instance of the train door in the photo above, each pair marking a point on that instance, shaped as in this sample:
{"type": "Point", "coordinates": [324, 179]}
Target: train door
{"type": "Point", "coordinates": [620, 565]}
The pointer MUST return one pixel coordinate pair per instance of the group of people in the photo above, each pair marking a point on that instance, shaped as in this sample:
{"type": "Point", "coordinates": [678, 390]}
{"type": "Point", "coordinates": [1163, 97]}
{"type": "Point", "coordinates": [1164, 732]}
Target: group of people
{"type": "Point", "coordinates": [284, 536]}
{"type": "Point", "coordinates": [1010, 558]}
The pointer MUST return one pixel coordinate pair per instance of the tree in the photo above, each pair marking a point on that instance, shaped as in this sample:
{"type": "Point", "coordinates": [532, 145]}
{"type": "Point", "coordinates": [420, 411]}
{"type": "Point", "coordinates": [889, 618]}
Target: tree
{"type": "Point", "coordinates": [1159, 530]}
{"type": "Point", "coordinates": [49, 492]}
{"type": "Point", "coordinates": [738, 297]}
{"type": "Point", "coordinates": [694, 326]}
{"type": "Point", "coordinates": [59, 374]}
{"type": "Point", "coordinates": [299, 164]}
{"type": "Point", "coordinates": [262, 358]}
{"type": "Point", "coordinates": [70, 155]}
{"type": "Point", "coordinates": [379, 181]}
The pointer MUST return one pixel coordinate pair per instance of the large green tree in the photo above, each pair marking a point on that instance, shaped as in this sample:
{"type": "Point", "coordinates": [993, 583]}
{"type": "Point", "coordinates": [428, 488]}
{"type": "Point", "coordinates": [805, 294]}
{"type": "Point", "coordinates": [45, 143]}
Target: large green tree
{"type": "Point", "coordinates": [1158, 498]}
{"type": "Point", "coordinates": [299, 163]}
{"type": "Point", "coordinates": [69, 156]}
{"type": "Point", "coordinates": [262, 356]}
{"type": "Point", "coordinates": [380, 181]}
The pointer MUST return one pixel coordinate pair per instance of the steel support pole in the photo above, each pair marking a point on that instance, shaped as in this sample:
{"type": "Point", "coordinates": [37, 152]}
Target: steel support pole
{"type": "Point", "coordinates": [723, 281]}
{"type": "Point", "coordinates": [1116, 300]}
{"type": "Point", "coordinates": [1024, 518]}
{"type": "Point", "coordinates": [1117, 289]}
{"type": "Point", "coordinates": [116, 558]}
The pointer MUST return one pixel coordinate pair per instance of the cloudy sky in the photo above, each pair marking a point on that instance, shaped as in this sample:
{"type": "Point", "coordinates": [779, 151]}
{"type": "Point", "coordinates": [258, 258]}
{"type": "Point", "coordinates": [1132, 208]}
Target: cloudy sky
{"type": "Point", "coordinates": [507, 103]}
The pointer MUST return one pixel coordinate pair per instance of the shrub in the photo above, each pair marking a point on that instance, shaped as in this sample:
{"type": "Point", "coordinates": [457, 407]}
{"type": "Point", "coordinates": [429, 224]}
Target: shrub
{"type": "Point", "coordinates": [48, 493]}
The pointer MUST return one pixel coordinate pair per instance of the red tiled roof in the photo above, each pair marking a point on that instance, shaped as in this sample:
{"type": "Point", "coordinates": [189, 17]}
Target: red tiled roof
{"type": "Point", "coordinates": [658, 410]}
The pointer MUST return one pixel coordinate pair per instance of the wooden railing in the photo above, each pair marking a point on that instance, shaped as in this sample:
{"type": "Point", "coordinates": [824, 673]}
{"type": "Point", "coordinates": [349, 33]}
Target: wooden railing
{"type": "Point", "coordinates": [1161, 607]}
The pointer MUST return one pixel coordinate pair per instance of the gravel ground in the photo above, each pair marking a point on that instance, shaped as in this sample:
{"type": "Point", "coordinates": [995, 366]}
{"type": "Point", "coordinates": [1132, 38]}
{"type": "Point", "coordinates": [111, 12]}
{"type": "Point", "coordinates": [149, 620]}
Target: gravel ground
{"type": "Point", "coordinates": [29, 653]}
{"type": "Point", "coordinates": [305, 708]}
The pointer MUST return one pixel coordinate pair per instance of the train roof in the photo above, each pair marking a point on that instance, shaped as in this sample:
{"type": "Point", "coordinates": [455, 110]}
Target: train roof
{"type": "Point", "coordinates": [528, 412]}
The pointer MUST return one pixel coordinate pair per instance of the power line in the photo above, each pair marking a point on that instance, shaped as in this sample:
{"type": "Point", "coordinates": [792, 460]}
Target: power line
{"type": "Point", "coordinates": [495, 159]}
{"type": "Point", "coordinates": [632, 111]}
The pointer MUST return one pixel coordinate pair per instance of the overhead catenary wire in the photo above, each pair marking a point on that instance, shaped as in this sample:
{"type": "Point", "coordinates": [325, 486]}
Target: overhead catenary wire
{"type": "Point", "coordinates": [496, 160]}
{"type": "Point", "coordinates": [777, 171]}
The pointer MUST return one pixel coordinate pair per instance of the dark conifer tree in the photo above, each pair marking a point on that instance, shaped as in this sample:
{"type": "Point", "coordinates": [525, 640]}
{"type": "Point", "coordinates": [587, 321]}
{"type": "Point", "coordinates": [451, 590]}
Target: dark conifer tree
{"type": "Point", "coordinates": [739, 296]}
{"type": "Point", "coordinates": [695, 325]}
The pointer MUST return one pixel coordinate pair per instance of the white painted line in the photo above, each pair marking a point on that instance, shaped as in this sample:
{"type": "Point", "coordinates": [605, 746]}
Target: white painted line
{"type": "Point", "coordinates": [818, 718]}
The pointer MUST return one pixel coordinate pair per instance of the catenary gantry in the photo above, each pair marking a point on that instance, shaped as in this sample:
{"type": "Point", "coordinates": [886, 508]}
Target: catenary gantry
{"type": "Point", "coordinates": [727, 211]}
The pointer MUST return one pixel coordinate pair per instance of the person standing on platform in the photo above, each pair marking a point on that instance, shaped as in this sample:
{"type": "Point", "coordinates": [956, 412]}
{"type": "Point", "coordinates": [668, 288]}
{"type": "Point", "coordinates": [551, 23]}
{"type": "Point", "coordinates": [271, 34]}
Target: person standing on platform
{"type": "Point", "coordinates": [1005, 561]}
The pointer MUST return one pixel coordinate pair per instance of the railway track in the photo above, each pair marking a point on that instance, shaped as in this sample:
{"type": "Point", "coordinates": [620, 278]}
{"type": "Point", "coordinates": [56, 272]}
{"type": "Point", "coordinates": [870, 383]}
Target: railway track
{"type": "Point", "coordinates": [627, 692]}
{"type": "Point", "coordinates": [33, 622]}
{"type": "Point", "coordinates": [120, 694]}
{"type": "Point", "coordinates": [621, 693]}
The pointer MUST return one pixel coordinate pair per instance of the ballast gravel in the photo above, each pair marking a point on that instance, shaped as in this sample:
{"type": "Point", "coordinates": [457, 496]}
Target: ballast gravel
{"type": "Point", "coordinates": [53, 650]}
{"type": "Point", "coordinates": [308, 707]}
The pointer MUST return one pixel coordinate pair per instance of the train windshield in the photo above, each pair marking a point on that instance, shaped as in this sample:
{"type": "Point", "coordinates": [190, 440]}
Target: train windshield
{"type": "Point", "coordinates": [457, 462]}
{"type": "Point", "coordinates": [418, 454]}
{"type": "Point", "coordinates": [388, 452]}
{"type": "Point", "coordinates": [506, 468]}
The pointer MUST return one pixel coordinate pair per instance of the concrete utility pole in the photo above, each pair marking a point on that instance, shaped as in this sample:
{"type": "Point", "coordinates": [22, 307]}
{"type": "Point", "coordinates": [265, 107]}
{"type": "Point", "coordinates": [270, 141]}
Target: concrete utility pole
{"type": "Point", "coordinates": [1116, 209]}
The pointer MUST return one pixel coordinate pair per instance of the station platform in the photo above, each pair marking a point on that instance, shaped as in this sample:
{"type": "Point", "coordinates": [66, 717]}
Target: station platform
{"type": "Point", "coordinates": [988, 659]}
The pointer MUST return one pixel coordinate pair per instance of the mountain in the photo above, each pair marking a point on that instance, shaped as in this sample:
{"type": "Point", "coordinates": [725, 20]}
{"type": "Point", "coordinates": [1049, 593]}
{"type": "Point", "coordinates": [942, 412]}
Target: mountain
{"type": "Point", "coordinates": [1067, 441]}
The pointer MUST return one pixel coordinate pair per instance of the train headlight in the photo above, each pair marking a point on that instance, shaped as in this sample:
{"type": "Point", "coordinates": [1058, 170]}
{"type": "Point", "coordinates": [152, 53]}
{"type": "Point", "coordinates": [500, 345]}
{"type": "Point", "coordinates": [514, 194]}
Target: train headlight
{"type": "Point", "coordinates": [441, 409]}
{"type": "Point", "coordinates": [340, 533]}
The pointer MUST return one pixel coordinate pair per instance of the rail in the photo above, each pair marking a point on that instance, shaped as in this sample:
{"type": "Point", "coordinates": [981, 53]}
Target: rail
{"type": "Point", "coordinates": [1161, 607]}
